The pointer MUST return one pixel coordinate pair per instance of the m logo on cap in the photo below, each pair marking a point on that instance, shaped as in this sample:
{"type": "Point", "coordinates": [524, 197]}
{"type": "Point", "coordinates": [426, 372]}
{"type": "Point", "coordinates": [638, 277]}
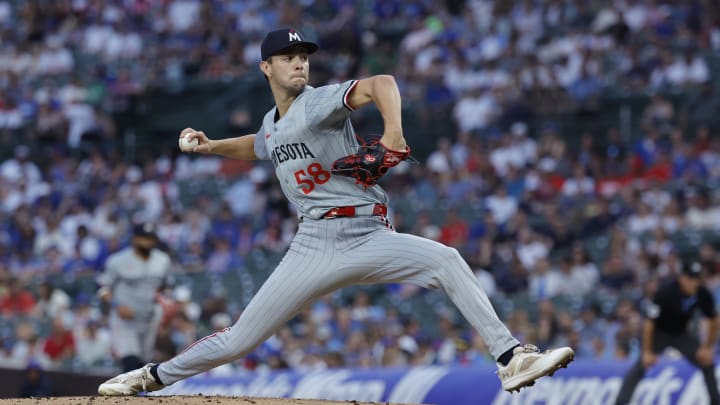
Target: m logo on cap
{"type": "Point", "coordinates": [280, 40]}
{"type": "Point", "coordinates": [294, 36]}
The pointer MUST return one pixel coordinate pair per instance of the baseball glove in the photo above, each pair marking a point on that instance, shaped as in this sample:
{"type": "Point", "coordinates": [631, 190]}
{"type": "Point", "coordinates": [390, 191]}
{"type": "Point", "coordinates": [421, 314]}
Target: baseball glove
{"type": "Point", "coordinates": [370, 163]}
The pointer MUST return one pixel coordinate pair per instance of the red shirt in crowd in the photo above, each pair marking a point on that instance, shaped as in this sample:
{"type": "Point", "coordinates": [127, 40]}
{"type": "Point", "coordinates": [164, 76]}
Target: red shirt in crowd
{"type": "Point", "coordinates": [21, 302]}
{"type": "Point", "coordinates": [58, 345]}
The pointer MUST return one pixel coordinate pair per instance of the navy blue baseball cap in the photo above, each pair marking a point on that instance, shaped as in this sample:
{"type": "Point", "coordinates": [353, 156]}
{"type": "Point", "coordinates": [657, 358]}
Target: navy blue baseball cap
{"type": "Point", "coordinates": [144, 230]}
{"type": "Point", "coordinates": [692, 269]}
{"type": "Point", "coordinates": [279, 40]}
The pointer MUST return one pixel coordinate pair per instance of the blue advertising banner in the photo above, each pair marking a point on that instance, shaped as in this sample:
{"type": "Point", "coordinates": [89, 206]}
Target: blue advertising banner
{"type": "Point", "coordinates": [583, 383]}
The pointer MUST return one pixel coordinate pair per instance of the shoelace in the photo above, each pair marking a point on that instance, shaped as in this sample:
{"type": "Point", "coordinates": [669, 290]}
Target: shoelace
{"type": "Point", "coordinates": [527, 348]}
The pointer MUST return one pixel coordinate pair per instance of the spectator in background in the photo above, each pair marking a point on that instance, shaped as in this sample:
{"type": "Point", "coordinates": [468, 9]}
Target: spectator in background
{"type": "Point", "coordinates": [121, 43]}
{"type": "Point", "coordinates": [647, 149]}
{"type": "Point", "coordinates": [688, 69]}
{"type": "Point", "coordinates": [509, 154]}
{"type": "Point", "coordinates": [514, 280]}
{"type": "Point", "coordinates": [123, 90]}
{"type": "Point", "coordinates": [80, 117]}
{"type": "Point", "coordinates": [687, 164]}
{"type": "Point", "coordinates": [545, 282]}
{"type": "Point", "coordinates": [222, 259]}
{"type": "Point", "coordinates": [60, 345]}
{"type": "Point", "coordinates": [531, 248]}
{"type": "Point", "coordinates": [460, 150]}
{"type": "Point", "coordinates": [195, 228]}
{"type": "Point", "coordinates": [54, 59]}
{"type": "Point", "coordinates": [615, 152]}
{"type": "Point", "coordinates": [93, 342]}
{"type": "Point", "coordinates": [226, 226]}
{"type": "Point", "coordinates": [475, 110]}
{"type": "Point", "coordinates": [52, 301]}
{"type": "Point", "coordinates": [17, 300]}
{"type": "Point", "coordinates": [525, 146]}
{"type": "Point", "coordinates": [572, 284]}
{"type": "Point", "coordinates": [642, 221]}
{"type": "Point", "coordinates": [192, 258]}
{"type": "Point", "coordinates": [501, 205]}
{"type": "Point", "coordinates": [36, 383]}
{"type": "Point", "coordinates": [699, 213]}
{"type": "Point", "coordinates": [51, 236]}
{"type": "Point", "coordinates": [142, 194]}
{"type": "Point", "coordinates": [671, 221]}
{"type": "Point", "coordinates": [579, 185]}
{"type": "Point", "coordinates": [655, 197]}
{"type": "Point", "coordinates": [548, 324]}
{"type": "Point", "coordinates": [658, 245]}
{"type": "Point", "coordinates": [50, 124]}
{"type": "Point", "coordinates": [586, 89]}
{"type": "Point", "coordinates": [659, 113]}
{"type": "Point", "coordinates": [273, 239]}
{"type": "Point", "coordinates": [425, 227]}
{"type": "Point", "coordinates": [87, 246]}
{"type": "Point", "coordinates": [455, 231]}
{"type": "Point", "coordinates": [584, 273]}
{"type": "Point", "coordinates": [28, 347]}
{"type": "Point", "coordinates": [600, 216]}
{"type": "Point", "coordinates": [21, 168]}
{"type": "Point", "coordinates": [440, 161]}
{"type": "Point", "coordinates": [362, 309]}
{"type": "Point", "coordinates": [615, 275]}
{"type": "Point", "coordinates": [183, 298]}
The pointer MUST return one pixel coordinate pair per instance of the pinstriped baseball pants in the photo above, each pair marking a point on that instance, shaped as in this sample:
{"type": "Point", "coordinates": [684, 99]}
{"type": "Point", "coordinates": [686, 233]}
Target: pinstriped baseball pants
{"type": "Point", "coordinates": [328, 254]}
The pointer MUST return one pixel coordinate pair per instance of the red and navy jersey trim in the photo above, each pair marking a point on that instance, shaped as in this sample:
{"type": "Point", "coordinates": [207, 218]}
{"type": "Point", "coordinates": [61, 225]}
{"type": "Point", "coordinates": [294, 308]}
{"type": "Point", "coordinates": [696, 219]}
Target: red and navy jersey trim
{"type": "Point", "coordinates": [347, 93]}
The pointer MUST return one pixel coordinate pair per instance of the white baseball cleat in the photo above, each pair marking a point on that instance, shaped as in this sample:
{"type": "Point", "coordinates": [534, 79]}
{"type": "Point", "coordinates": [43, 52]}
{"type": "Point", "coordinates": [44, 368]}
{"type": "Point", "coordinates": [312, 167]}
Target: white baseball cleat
{"type": "Point", "coordinates": [130, 383]}
{"type": "Point", "coordinates": [528, 364]}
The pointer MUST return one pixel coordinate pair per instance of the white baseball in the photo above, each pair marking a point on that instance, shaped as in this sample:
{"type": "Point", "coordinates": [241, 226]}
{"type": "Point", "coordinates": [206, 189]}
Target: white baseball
{"type": "Point", "coordinates": [187, 145]}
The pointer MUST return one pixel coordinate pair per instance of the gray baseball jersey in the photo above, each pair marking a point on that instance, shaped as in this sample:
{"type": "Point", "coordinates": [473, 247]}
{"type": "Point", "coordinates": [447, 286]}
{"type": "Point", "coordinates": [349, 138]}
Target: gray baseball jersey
{"type": "Point", "coordinates": [327, 254]}
{"type": "Point", "coordinates": [304, 143]}
{"type": "Point", "coordinates": [134, 283]}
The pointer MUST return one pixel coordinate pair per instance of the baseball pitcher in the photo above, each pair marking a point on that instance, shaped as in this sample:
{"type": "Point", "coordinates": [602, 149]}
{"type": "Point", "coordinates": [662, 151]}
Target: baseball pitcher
{"type": "Point", "coordinates": [344, 236]}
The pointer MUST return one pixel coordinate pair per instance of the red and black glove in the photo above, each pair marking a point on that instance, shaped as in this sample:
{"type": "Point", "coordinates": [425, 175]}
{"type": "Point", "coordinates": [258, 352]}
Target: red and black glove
{"type": "Point", "coordinates": [370, 163]}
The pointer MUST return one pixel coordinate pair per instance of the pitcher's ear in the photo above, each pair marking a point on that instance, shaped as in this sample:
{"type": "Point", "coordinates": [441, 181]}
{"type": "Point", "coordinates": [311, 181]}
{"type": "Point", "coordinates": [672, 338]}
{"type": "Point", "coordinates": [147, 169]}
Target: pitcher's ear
{"type": "Point", "coordinates": [265, 66]}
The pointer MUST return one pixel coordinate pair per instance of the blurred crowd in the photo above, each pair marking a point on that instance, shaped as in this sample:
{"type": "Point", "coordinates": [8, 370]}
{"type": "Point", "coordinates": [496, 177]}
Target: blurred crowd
{"type": "Point", "coordinates": [65, 65]}
{"type": "Point", "coordinates": [582, 228]}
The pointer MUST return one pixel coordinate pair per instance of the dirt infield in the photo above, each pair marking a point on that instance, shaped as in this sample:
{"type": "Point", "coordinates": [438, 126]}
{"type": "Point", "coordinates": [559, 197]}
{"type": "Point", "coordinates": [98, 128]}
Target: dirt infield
{"type": "Point", "coordinates": [177, 400]}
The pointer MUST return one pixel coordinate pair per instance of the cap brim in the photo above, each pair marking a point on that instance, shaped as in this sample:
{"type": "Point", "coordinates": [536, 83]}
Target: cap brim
{"type": "Point", "coordinates": [310, 48]}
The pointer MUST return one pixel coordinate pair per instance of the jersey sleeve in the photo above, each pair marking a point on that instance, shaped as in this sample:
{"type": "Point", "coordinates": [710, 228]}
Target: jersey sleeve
{"type": "Point", "coordinates": [706, 302]}
{"type": "Point", "coordinates": [328, 105]}
{"type": "Point", "coordinates": [259, 146]}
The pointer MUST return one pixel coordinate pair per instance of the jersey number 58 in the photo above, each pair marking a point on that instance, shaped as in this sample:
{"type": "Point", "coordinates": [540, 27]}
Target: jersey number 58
{"type": "Point", "coordinates": [313, 174]}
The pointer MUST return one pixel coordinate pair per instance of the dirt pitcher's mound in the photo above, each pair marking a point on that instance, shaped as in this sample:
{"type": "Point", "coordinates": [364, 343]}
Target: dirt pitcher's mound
{"type": "Point", "coordinates": [176, 400]}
